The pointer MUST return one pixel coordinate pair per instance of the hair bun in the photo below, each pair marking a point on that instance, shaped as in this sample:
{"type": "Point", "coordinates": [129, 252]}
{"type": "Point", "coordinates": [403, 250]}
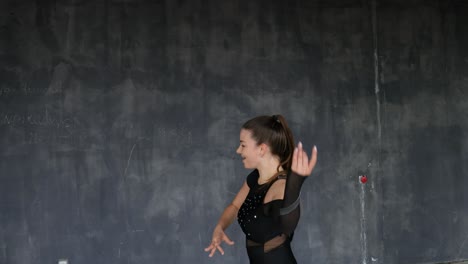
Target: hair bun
{"type": "Point", "coordinates": [276, 118]}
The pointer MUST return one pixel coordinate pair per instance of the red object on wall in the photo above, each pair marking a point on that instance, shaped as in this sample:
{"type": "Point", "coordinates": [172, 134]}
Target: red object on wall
{"type": "Point", "coordinates": [363, 178]}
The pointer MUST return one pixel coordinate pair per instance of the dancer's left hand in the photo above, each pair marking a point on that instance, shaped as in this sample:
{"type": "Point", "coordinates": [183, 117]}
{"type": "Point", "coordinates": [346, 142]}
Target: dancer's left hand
{"type": "Point", "coordinates": [301, 164]}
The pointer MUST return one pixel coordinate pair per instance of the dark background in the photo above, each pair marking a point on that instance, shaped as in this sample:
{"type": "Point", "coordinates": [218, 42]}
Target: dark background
{"type": "Point", "coordinates": [119, 121]}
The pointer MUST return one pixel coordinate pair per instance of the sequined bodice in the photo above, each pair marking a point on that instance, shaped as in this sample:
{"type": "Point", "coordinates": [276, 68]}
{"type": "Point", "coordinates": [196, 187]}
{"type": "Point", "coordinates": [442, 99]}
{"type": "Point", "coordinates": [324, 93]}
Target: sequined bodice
{"type": "Point", "coordinates": [255, 218]}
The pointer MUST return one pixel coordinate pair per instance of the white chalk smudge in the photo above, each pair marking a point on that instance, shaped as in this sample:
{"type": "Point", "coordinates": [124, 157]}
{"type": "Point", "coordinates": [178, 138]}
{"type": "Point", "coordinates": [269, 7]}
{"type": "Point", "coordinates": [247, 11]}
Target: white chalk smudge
{"type": "Point", "coordinates": [376, 68]}
{"type": "Point", "coordinates": [129, 158]}
{"type": "Point", "coordinates": [363, 225]}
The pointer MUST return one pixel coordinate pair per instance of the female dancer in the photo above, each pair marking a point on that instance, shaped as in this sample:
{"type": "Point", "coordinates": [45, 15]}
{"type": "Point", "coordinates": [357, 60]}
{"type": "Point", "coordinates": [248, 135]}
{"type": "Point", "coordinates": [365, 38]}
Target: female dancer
{"type": "Point", "coordinates": [267, 205]}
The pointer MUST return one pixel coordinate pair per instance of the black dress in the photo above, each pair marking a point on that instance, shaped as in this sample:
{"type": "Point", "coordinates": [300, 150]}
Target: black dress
{"type": "Point", "coordinates": [269, 227]}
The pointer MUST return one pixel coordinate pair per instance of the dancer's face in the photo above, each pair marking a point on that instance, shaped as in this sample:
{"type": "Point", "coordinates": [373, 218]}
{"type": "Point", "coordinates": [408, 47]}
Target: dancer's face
{"type": "Point", "coordinates": [249, 150]}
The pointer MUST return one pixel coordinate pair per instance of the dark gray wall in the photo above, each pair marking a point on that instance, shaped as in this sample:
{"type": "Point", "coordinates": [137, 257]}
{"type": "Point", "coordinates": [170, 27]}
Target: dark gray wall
{"type": "Point", "coordinates": [119, 122]}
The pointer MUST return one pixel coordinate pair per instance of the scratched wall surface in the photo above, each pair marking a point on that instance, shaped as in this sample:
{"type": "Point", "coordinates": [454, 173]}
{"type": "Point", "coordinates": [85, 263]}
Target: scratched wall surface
{"type": "Point", "coordinates": [119, 121]}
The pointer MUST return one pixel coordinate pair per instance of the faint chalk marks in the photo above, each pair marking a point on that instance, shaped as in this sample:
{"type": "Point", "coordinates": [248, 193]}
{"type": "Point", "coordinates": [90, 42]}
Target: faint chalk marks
{"type": "Point", "coordinates": [376, 67]}
{"type": "Point", "coordinates": [363, 224]}
{"type": "Point", "coordinates": [130, 156]}
{"type": "Point", "coordinates": [45, 126]}
{"type": "Point", "coordinates": [379, 126]}
{"type": "Point", "coordinates": [8, 91]}
{"type": "Point", "coordinates": [461, 247]}
{"type": "Point", "coordinates": [16, 83]}
{"type": "Point", "coordinates": [119, 252]}
{"type": "Point", "coordinates": [38, 119]}
{"type": "Point", "coordinates": [59, 79]}
{"type": "Point", "coordinates": [24, 90]}
{"type": "Point", "coordinates": [180, 136]}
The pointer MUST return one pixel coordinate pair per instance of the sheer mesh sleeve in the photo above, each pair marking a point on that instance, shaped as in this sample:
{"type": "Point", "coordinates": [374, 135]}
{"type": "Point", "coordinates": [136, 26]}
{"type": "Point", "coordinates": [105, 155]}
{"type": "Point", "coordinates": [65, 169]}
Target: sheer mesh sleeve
{"type": "Point", "coordinates": [290, 209]}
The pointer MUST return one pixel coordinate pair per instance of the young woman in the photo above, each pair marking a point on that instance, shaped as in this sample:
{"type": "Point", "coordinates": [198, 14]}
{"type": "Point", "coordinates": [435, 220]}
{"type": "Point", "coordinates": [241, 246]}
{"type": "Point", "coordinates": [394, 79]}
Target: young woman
{"type": "Point", "coordinates": [267, 205]}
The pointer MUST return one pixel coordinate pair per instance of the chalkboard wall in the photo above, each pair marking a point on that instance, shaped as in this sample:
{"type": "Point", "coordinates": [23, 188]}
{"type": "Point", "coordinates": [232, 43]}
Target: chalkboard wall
{"type": "Point", "coordinates": [119, 121]}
